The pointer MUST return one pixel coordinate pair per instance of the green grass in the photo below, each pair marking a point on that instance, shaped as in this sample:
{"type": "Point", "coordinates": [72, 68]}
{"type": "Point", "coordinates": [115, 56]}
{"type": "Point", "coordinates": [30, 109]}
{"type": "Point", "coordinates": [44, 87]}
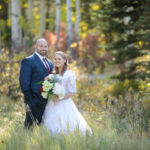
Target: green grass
{"type": "Point", "coordinates": [13, 136]}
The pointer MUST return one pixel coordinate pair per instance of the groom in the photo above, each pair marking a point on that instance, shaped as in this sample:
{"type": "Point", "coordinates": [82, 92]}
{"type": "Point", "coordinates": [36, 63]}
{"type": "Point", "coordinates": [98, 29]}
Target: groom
{"type": "Point", "coordinates": [34, 69]}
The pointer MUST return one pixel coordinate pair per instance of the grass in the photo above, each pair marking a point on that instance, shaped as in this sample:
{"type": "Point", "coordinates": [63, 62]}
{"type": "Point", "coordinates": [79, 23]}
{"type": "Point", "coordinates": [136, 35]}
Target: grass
{"type": "Point", "coordinates": [13, 136]}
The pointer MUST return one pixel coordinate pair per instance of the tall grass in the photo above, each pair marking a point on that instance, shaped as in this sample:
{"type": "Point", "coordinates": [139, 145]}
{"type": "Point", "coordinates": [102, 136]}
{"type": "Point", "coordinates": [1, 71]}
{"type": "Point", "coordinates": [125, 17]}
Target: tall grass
{"type": "Point", "coordinates": [13, 136]}
{"type": "Point", "coordinates": [103, 139]}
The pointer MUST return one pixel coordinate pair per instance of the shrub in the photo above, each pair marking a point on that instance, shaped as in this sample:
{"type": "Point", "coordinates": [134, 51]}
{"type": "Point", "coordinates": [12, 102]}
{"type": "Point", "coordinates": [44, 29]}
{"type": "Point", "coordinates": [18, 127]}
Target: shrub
{"type": "Point", "coordinates": [9, 73]}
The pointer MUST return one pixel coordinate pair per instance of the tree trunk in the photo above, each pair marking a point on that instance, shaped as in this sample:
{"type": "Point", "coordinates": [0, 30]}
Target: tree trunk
{"type": "Point", "coordinates": [15, 24]}
{"type": "Point", "coordinates": [9, 10]}
{"type": "Point", "coordinates": [48, 7]}
{"type": "Point", "coordinates": [0, 40]}
{"type": "Point", "coordinates": [69, 27]}
{"type": "Point", "coordinates": [57, 24]}
{"type": "Point", "coordinates": [77, 21]}
{"type": "Point", "coordinates": [29, 12]}
{"type": "Point", "coordinates": [42, 16]}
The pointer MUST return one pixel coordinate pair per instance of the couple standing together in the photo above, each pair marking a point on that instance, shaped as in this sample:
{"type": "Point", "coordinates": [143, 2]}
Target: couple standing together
{"type": "Point", "coordinates": [58, 115]}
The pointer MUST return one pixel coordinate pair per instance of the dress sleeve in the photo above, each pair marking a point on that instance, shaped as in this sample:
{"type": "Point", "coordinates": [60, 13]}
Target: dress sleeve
{"type": "Point", "coordinates": [71, 82]}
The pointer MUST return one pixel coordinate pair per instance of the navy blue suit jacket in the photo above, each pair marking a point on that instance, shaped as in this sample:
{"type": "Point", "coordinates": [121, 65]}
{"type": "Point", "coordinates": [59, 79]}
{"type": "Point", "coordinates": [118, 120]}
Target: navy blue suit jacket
{"type": "Point", "coordinates": [32, 71]}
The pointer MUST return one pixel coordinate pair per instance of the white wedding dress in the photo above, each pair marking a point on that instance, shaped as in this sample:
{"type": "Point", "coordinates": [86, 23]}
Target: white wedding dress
{"type": "Point", "coordinates": [63, 116]}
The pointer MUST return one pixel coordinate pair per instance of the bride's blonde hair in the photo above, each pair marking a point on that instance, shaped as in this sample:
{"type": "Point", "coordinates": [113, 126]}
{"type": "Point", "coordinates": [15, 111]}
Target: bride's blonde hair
{"type": "Point", "coordinates": [65, 67]}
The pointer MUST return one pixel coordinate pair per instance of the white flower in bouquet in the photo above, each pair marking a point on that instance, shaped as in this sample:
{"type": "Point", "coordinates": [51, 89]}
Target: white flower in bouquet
{"type": "Point", "coordinates": [59, 90]}
{"type": "Point", "coordinates": [44, 94]}
{"type": "Point", "coordinates": [47, 86]}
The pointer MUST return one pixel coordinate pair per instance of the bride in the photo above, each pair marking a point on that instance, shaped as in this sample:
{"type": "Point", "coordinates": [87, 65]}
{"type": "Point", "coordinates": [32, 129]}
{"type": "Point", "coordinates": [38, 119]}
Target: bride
{"type": "Point", "coordinates": [61, 115]}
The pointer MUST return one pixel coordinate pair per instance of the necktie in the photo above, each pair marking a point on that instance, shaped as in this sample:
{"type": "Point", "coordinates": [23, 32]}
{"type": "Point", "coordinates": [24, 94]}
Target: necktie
{"type": "Point", "coordinates": [46, 65]}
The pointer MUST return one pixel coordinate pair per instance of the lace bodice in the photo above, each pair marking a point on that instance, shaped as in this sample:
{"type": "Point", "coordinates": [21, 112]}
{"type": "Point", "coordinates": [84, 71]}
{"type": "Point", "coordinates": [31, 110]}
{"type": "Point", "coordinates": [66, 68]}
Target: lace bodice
{"type": "Point", "coordinates": [68, 81]}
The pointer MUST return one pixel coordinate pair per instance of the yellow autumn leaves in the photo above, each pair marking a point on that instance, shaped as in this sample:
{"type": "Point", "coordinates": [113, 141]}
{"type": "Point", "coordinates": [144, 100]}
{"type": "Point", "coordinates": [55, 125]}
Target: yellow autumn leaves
{"type": "Point", "coordinates": [9, 73]}
{"type": "Point", "coordinates": [144, 58]}
{"type": "Point", "coordinates": [95, 6]}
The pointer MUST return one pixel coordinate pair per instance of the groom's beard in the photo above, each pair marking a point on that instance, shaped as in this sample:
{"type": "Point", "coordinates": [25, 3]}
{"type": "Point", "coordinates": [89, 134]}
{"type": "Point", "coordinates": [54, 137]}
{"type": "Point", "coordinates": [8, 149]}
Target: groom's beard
{"type": "Point", "coordinates": [43, 52]}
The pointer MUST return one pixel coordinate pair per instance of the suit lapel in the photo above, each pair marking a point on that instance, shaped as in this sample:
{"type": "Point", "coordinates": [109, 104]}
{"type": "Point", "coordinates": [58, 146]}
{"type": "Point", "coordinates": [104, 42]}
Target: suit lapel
{"type": "Point", "coordinates": [40, 63]}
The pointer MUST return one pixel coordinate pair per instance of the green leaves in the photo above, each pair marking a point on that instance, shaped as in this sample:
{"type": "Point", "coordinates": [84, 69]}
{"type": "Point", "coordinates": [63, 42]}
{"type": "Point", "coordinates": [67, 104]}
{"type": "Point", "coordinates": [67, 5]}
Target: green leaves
{"type": "Point", "coordinates": [51, 96]}
{"type": "Point", "coordinates": [127, 21]}
{"type": "Point", "coordinates": [40, 82]}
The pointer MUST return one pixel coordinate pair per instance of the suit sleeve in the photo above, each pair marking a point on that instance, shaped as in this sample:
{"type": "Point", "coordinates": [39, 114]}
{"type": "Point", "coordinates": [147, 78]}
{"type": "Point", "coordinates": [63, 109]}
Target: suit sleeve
{"type": "Point", "coordinates": [25, 80]}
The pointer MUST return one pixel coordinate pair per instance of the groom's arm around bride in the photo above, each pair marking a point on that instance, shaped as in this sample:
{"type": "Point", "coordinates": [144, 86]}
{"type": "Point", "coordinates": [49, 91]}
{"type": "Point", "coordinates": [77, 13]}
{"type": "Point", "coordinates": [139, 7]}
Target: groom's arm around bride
{"type": "Point", "coordinates": [34, 69]}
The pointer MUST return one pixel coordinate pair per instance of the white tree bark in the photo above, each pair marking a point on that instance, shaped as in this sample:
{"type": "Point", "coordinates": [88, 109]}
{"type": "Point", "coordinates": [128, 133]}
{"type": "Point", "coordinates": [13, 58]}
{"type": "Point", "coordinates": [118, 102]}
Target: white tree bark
{"type": "Point", "coordinates": [20, 27]}
{"type": "Point", "coordinates": [57, 23]}
{"type": "Point", "coordinates": [77, 21]}
{"type": "Point", "coordinates": [42, 16]}
{"type": "Point", "coordinates": [69, 27]}
{"type": "Point", "coordinates": [15, 24]}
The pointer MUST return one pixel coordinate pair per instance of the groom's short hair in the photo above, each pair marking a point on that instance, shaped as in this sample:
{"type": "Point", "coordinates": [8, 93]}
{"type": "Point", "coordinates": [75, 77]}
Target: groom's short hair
{"type": "Point", "coordinates": [41, 40]}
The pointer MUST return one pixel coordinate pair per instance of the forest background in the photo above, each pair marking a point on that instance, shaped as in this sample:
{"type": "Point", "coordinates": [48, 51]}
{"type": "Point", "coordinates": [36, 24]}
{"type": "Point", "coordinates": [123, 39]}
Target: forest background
{"type": "Point", "coordinates": [108, 45]}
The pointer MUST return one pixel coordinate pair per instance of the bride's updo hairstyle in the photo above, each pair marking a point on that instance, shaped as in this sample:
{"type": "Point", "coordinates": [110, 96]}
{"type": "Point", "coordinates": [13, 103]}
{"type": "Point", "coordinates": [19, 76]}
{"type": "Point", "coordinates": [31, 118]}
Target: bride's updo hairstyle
{"type": "Point", "coordinates": [65, 67]}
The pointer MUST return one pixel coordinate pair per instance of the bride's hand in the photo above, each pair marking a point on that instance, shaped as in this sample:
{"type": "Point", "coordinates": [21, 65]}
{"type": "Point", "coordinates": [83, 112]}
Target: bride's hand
{"type": "Point", "coordinates": [55, 99]}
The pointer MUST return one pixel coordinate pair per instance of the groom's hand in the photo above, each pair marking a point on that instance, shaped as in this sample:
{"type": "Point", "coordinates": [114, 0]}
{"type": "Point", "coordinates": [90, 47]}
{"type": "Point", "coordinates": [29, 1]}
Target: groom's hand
{"type": "Point", "coordinates": [46, 78]}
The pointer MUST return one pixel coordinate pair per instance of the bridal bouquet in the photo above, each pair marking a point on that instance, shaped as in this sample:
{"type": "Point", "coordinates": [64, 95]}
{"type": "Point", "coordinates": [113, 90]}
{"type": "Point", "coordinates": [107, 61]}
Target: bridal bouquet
{"type": "Point", "coordinates": [52, 87]}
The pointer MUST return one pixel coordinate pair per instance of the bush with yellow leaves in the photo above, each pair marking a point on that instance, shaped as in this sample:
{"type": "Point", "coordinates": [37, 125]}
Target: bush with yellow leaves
{"type": "Point", "coordinates": [9, 73]}
{"type": "Point", "coordinates": [128, 102]}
